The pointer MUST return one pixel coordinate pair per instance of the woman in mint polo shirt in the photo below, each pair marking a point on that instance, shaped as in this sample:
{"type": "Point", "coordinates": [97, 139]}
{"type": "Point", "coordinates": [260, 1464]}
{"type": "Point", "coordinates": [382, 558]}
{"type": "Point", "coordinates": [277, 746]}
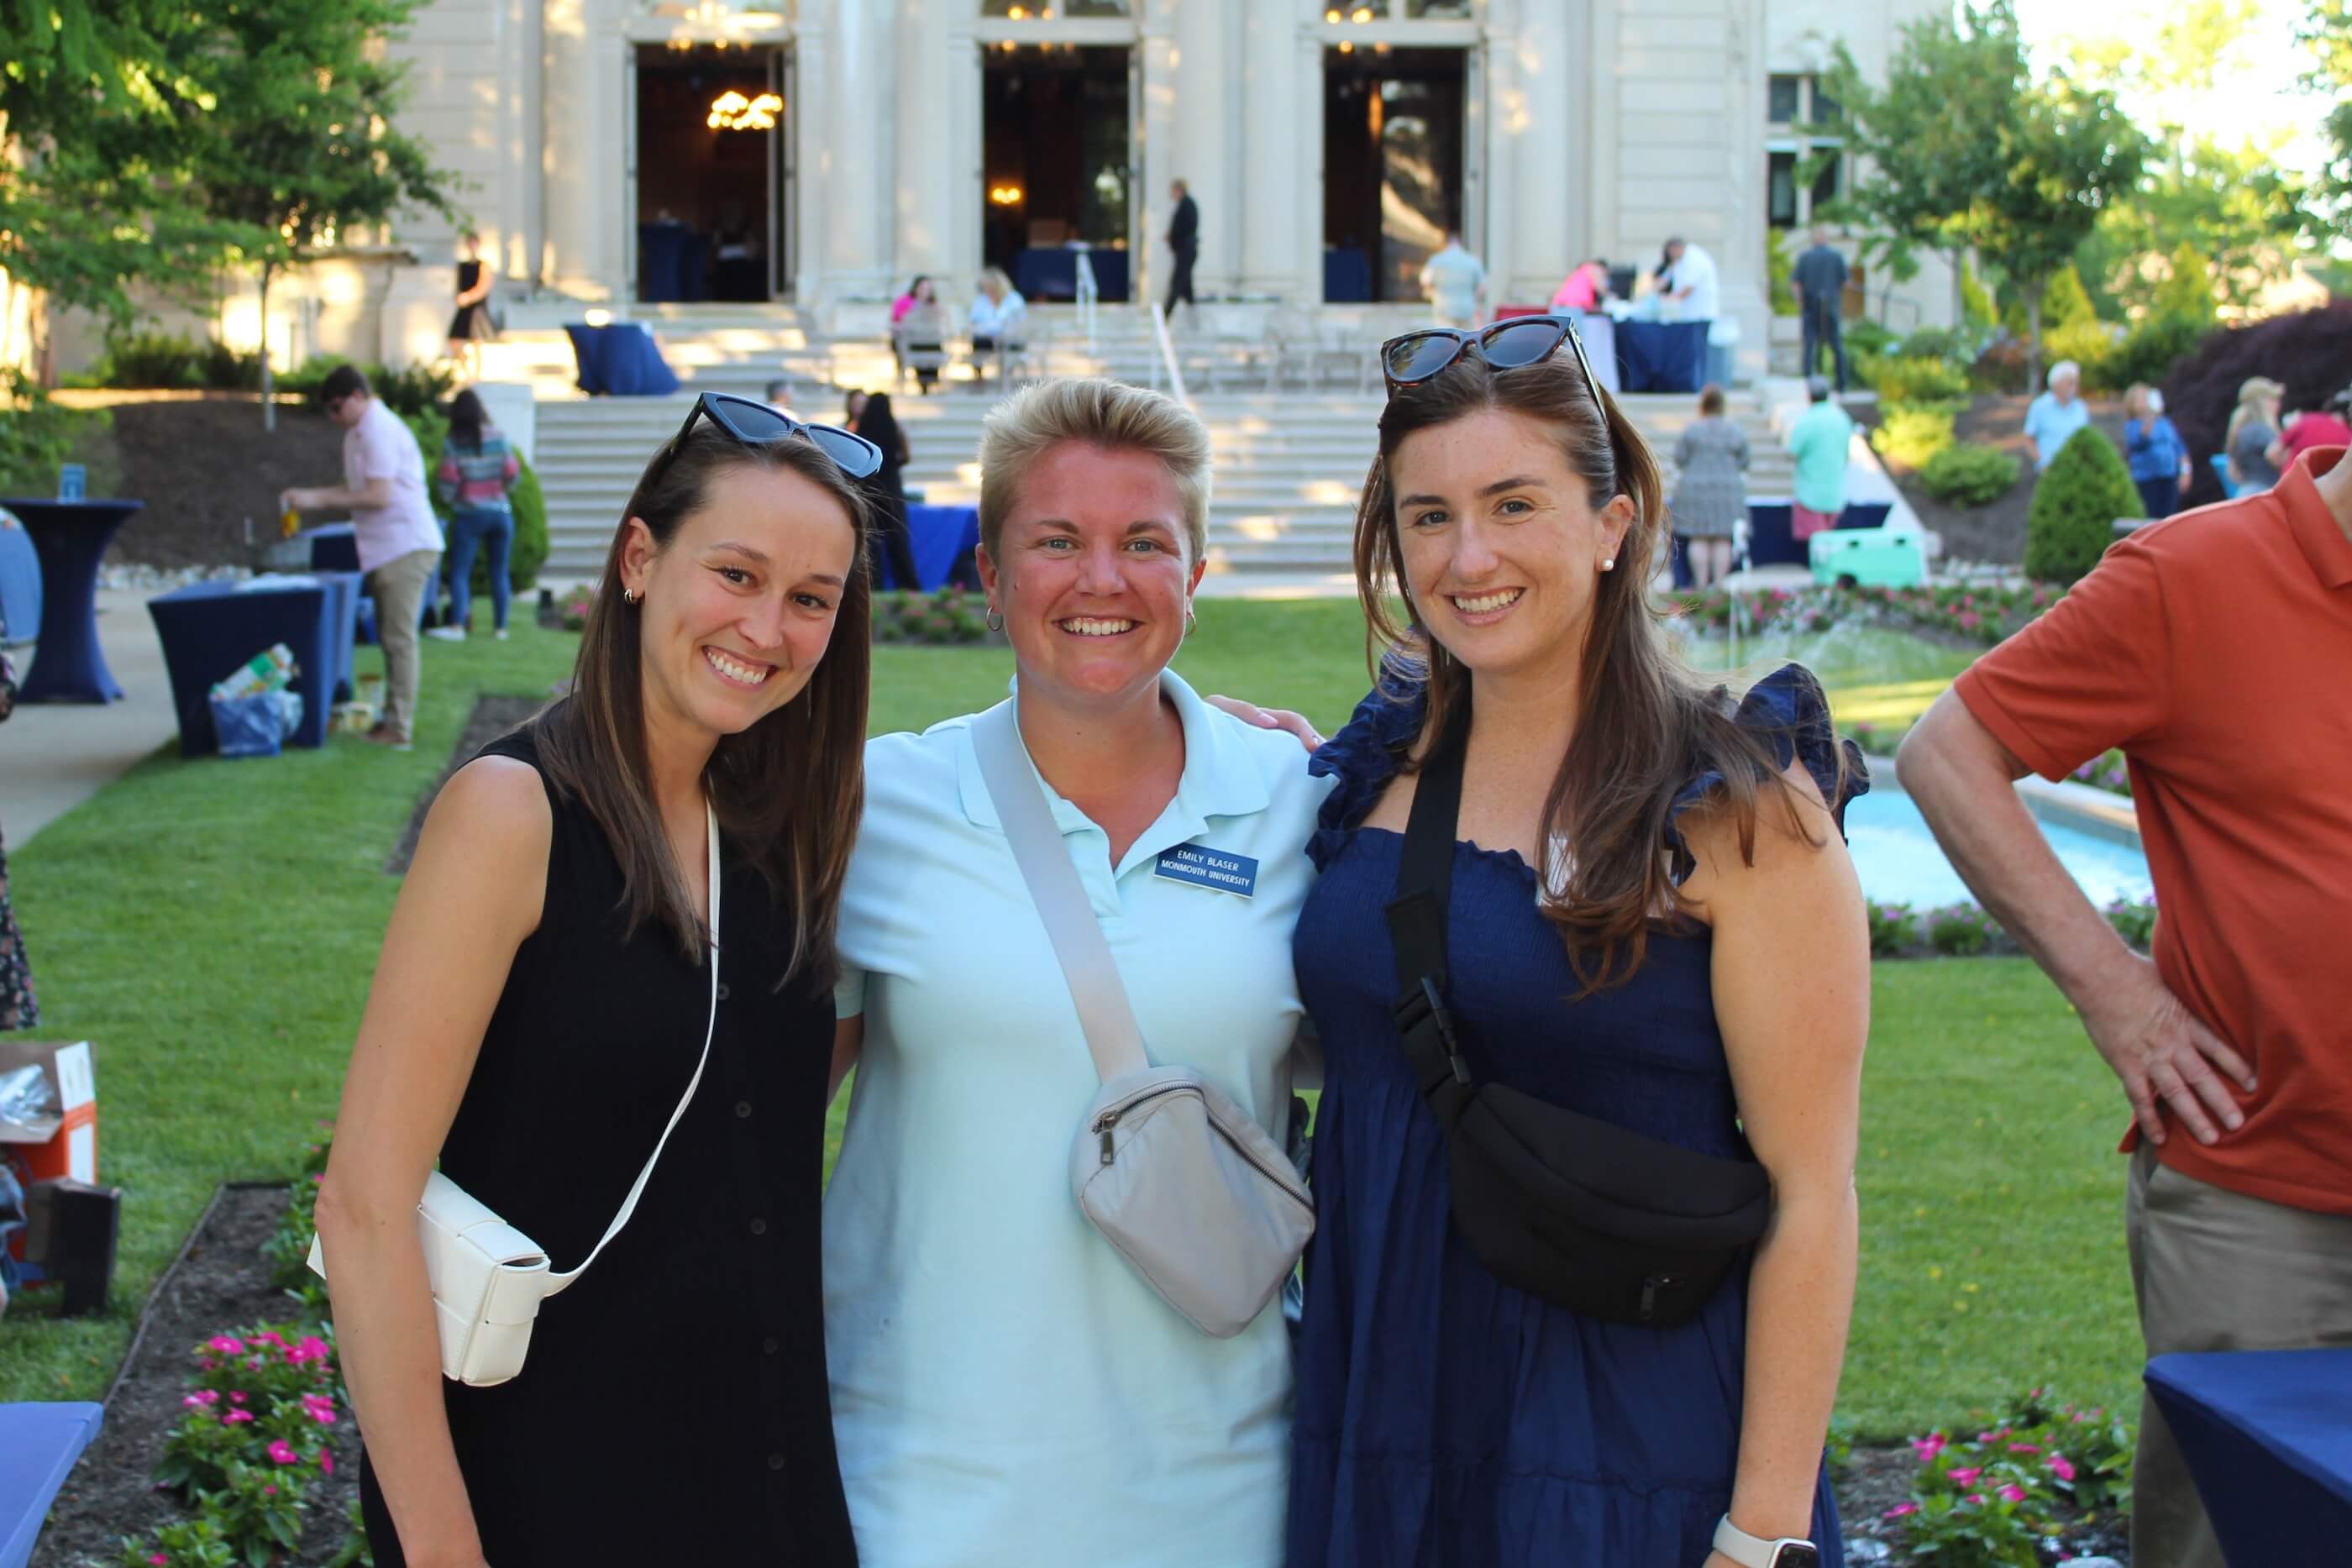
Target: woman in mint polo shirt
{"type": "Point", "coordinates": [1006, 1389]}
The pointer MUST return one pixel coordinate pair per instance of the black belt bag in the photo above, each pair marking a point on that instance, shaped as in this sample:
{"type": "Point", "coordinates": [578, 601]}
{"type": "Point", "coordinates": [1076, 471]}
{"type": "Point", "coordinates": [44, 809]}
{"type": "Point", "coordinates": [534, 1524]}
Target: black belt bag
{"type": "Point", "coordinates": [1578, 1211]}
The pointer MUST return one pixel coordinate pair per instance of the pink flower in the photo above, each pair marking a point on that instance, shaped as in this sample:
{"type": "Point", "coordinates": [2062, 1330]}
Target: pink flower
{"type": "Point", "coordinates": [226, 1344]}
{"type": "Point", "coordinates": [1967, 1476]}
{"type": "Point", "coordinates": [326, 1462]}
{"type": "Point", "coordinates": [310, 1348]}
{"type": "Point", "coordinates": [236, 1397]}
{"type": "Point", "coordinates": [320, 1408]}
{"type": "Point", "coordinates": [208, 1363]}
{"type": "Point", "coordinates": [201, 1398]}
{"type": "Point", "coordinates": [160, 1560]}
{"type": "Point", "coordinates": [2061, 1467]}
{"type": "Point", "coordinates": [1900, 1509]}
{"type": "Point", "coordinates": [2024, 1449]}
{"type": "Point", "coordinates": [269, 1491]}
{"type": "Point", "coordinates": [281, 1452]}
{"type": "Point", "coordinates": [1928, 1447]}
{"type": "Point", "coordinates": [2012, 1492]}
{"type": "Point", "coordinates": [236, 1417]}
{"type": "Point", "coordinates": [268, 1339]}
{"type": "Point", "coordinates": [1975, 1497]}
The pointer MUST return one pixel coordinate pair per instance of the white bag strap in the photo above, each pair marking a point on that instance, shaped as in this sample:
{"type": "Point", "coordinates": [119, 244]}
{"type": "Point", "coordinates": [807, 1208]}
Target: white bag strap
{"type": "Point", "coordinates": [556, 1282]}
{"type": "Point", "coordinates": [1060, 898]}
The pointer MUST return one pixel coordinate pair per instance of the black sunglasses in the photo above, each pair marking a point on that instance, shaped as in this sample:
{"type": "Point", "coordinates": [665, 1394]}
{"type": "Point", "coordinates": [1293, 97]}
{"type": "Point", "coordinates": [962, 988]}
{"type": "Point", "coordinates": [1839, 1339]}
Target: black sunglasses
{"type": "Point", "coordinates": [1418, 356]}
{"type": "Point", "coordinates": [750, 422]}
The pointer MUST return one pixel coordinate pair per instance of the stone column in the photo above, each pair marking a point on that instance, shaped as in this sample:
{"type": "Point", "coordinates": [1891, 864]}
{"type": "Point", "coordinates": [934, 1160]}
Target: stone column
{"type": "Point", "coordinates": [931, 161]}
{"type": "Point", "coordinates": [855, 142]}
{"type": "Point", "coordinates": [584, 74]}
{"type": "Point", "coordinates": [1163, 158]}
{"type": "Point", "coordinates": [1199, 116]}
{"type": "Point", "coordinates": [1538, 105]}
{"type": "Point", "coordinates": [1741, 261]}
{"type": "Point", "coordinates": [1281, 213]}
{"type": "Point", "coordinates": [818, 146]}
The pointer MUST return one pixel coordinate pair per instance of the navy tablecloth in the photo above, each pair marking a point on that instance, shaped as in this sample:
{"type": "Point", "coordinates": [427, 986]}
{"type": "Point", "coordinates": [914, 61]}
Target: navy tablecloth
{"type": "Point", "coordinates": [620, 360]}
{"type": "Point", "coordinates": [70, 537]}
{"type": "Point", "coordinates": [942, 537]}
{"type": "Point", "coordinates": [1661, 356]}
{"type": "Point", "coordinates": [1347, 276]}
{"type": "Point", "coordinates": [1771, 542]}
{"type": "Point", "coordinates": [1051, 272]}
{"type": "Point", "coordinates": [334, 547]}
{"type": "Point", "coordinates": [208, 629]}
{"type": "Point", "coordinates": [2268, 1437]}
{"type": "Point", "coordinates": [38, 1446]}
{"type": "Point", "coordinates": [20, 582]}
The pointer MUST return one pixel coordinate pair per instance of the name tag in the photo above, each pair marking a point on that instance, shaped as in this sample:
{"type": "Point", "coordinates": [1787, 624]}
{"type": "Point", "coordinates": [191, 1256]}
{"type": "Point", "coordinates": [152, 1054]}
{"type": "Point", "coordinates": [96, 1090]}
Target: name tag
{"type": "Point", "coordinates": [1212, 869]}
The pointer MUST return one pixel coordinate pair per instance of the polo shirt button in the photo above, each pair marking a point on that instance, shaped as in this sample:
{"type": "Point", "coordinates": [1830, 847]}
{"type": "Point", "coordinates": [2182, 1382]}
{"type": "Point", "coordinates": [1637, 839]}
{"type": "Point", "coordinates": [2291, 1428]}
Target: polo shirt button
{"type": "Point", "coordinates": [770, 1345]}
{"type": "Point", "coordinates": [775, 1461]}
{"type": "Point", "coordinates": [743, 1108]}
{"type": "Point", "coordinates": [722, 990]}
{"type": "Point", "coordinates": [759, 1228]}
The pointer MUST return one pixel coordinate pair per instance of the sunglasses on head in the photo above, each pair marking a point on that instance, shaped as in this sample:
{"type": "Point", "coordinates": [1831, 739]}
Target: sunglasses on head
{"type": "Point", "coordinates": [1422, 356]}
{"type": "Point", "coordinates": [749, 423]}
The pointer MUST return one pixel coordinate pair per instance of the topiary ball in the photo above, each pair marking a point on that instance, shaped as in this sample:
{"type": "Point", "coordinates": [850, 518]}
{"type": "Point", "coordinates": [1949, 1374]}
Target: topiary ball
{"type": "Point", "coordinates": [2077, 502]}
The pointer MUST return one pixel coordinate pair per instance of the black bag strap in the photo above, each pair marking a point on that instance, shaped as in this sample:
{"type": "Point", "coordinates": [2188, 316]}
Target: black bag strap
{"type": "Point", "coordinates": [1416, 919]}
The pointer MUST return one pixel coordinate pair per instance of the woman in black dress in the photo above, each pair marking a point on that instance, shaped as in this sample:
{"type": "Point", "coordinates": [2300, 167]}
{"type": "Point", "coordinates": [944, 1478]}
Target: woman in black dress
{"type": "Point", "coordinates": [538, 1011]}
{"type": "Point", "coordinates": [886, 490]}
{"type": "Point", "coordinates": [471, 326]}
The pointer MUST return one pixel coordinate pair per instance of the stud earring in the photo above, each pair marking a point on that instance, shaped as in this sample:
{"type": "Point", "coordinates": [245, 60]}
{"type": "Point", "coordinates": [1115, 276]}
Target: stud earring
{"type": "Point", "coordinates": [1610, 564]}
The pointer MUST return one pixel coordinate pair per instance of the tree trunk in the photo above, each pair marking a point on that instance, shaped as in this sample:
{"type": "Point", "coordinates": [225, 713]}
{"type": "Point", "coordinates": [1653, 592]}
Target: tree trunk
{"type": "Point", "coordinates": [2034, 337]}
{"type": "Point", "coordinates": [268, 382]}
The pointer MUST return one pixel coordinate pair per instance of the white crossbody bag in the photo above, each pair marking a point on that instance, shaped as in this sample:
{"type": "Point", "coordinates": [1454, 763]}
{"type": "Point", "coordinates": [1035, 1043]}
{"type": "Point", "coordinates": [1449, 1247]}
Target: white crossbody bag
{"type": "Point", "coordinates": [488, 1277]}
{"type": "Point", "coordinates": [1182, 1181]}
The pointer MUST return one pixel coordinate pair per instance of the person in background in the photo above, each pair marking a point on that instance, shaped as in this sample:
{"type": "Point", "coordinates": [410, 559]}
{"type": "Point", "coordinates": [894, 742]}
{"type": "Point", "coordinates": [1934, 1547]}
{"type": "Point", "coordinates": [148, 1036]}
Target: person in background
{"type": "Point", "coordinates": [1710, 488]}
{"type": "Point", "coordinates": [2057, 413]}
{"type": "Point", "coordinates": [471, 326]}
{"type": "Point", "coordinates": [1822, 439]}
{"type": "Point", "coordinates": [1184, 241]}
{"type": "Point", "coordinates": [853, 407]}
{"type": "Point", "coordinates": [918, 327]}
{"type": "Point", "coordinates": [885, 490]}
{"type": "Point", "coordinates": [19, 1008]}
{"type": "Point", "coordinates": [1584, 289]}
{"type": "Point", "coordinates": [2212, 649]}
{"type": "Point", "coordinates": [1455, 282]}
{"type": "Point", "coordinates": [999, 316]}
{"type": "Point", "coordinates": [907, 301]}
{"type": "Point", "coordinates": [473, 481]}
{"type": "Point", "coordinates": [2253, 428]}
{"type": "Point", "coordinates": [1819, 276]}
{"type": "Point", "coordinates": [778, 395]}
{"type": "Point", "coordinates": [545, 998]}
{"type": "Point", "coordinates": [398, 536]}
{"type": "Point", "coordinates": [1690, 280]}
{"type": "Point", "coordinates": [2153, 450]}
{"type": "Point", "coordinates": [2310, 428]}
{"type": "Point", "coordinates": [1006, 1388]}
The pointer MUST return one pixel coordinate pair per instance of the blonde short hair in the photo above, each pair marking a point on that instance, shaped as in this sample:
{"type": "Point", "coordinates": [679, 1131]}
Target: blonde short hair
{"type": "Point", "coordinates": [1110, 415]}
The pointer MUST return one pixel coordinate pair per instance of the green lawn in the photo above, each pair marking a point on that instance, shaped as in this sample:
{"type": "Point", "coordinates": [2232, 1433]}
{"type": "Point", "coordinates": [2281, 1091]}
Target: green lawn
{"type": "Point", "coordinates": [212, 925]}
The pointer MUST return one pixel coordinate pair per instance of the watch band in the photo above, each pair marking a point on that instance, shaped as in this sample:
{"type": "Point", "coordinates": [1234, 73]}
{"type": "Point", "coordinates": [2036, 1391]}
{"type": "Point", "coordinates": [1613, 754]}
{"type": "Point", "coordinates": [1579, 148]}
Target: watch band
{"type": "Point", "coordinates": [1757, 1552]}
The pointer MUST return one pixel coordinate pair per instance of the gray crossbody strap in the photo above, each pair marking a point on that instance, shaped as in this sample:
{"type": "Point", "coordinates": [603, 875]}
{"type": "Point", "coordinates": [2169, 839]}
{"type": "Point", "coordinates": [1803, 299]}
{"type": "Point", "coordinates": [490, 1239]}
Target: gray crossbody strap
{"type": "Point", "coordinates": [711, 954]}
{"type": "Point", "coordinates": [1060, 898]}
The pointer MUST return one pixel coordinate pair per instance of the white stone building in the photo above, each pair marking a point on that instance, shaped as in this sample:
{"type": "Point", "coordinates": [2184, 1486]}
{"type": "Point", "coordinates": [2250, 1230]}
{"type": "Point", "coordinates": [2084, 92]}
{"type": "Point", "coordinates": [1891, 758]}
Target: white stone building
{"type": "Point", "coordinates": [823, 151]}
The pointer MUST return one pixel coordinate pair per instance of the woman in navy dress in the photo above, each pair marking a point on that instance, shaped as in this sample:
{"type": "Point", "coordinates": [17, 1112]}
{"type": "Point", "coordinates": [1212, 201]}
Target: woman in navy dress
{"type": "Point", "coordinates": [1691, 961]}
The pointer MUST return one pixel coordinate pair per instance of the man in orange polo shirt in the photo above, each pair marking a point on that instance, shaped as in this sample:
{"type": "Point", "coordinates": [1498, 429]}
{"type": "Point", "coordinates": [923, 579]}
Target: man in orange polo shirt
{"type": "Point", "coordinates": [2215, 648]}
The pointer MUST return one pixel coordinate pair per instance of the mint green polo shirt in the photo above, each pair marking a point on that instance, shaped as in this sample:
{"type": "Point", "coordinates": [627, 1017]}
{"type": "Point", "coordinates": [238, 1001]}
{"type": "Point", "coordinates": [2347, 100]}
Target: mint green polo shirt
{"type": "Point", "coordinates": [1005, 1389]}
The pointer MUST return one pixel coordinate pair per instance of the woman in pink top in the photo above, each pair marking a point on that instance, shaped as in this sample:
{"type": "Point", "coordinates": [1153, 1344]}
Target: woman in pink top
{"type": "Point", "coordinates": [918, 292]}
{"type": "Point", "coordinates": [1586, 288]}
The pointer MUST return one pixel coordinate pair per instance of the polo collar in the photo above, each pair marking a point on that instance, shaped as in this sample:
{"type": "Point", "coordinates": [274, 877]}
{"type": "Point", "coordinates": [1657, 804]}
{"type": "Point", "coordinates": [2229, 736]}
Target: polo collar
{"type": "Point", "coordinates": [2325, 545]}
{"type": "Point", "coordinates": [1220, 777]}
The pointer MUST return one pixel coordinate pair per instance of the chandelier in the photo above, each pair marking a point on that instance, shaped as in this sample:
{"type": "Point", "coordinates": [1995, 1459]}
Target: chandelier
{"type": "Point", "coordinates": [730, 110]}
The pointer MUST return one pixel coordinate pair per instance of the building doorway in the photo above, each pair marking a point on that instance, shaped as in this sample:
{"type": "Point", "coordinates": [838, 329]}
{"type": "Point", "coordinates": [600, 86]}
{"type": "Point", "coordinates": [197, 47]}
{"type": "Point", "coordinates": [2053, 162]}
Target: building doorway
{"type": "Point", "coordinates": [710, 174]}
{"type": "Point", "coordinates": [1058, 164]}
{"type": "Point", "coordinates": [1392, 166]}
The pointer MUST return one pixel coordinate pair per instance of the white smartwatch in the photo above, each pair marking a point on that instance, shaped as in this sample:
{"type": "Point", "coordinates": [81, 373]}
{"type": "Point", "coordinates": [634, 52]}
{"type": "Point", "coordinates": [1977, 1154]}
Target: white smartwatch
{"type": "Point", "coordinates": [1756, 1551]}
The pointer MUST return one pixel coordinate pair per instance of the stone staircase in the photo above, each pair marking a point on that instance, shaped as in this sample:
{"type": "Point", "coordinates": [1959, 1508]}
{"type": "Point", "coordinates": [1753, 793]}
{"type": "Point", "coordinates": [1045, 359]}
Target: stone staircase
{"type": "Point", "coordinates": [1290, 462]}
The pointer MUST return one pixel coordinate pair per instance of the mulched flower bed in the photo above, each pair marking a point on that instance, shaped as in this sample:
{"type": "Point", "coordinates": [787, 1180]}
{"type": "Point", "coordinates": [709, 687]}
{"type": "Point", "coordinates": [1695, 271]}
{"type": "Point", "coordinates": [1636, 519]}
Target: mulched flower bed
{"type": "Point", "coordinates": [222, 1281]}
{"type": "Point", "coordinates": [492, 717]}
{"type": "Point", "coordinates": [1875, 1483]}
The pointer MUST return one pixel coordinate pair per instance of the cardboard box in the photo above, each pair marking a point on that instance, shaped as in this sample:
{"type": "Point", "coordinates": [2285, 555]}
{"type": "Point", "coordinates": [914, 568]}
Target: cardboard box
{"type": "Point", "coordinates": [63, 1144]}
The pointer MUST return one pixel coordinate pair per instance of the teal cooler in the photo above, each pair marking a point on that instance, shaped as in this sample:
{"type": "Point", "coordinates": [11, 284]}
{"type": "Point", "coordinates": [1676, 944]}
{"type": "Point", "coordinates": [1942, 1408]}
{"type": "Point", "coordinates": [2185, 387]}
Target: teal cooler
{"type": "Point", "coordinates": [1872, 558]}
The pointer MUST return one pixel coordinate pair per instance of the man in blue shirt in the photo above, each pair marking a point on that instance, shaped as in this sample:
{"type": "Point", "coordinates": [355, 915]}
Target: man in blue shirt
{"type": "Point", "coordinates": [1819, 277]}
{"type": "Point", "coordinates": [2056, 413]}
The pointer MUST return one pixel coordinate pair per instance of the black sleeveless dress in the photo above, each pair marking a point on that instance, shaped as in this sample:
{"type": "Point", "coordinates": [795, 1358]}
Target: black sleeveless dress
{"type": "Point", "coordinates": [674, 1407]}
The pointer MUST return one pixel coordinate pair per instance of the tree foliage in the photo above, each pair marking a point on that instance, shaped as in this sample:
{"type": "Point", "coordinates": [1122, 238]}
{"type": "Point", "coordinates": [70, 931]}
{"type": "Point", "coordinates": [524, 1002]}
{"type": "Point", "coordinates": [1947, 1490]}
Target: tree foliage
{"type": "Point", "coordinates": [2326, 32]}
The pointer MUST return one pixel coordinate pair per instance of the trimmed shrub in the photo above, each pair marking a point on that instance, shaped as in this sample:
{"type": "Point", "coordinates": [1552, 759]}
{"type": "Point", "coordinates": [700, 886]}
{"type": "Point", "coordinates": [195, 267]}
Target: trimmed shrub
{"type": "Point", "coordinates": [1868, 337]}
{"type": "Point", "coordinates": [1893, 929]}
{"type": "Point", "coordinates": [1913, 381]}
{"type": "Point", "coordinates": [1914, 433]}
{"type": "Point", "coordinates": [2308, 350]}
{"type": "Point", "coordinates": [1962, 931]}
{"type": "Point", "coordinates": [2076, 503]}
{"type": "Point", "coordinates": [1969, 475]}
{"type": "Point", "coordinates": [1936, 343]}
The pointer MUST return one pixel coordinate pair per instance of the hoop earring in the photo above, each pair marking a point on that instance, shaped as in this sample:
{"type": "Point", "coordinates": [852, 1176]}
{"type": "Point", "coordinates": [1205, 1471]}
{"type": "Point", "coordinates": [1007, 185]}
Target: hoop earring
{"type": "Point", "coordinates": [1192, 621]}
{"type": "Point", "coordinates": [995, 618]}
{"type": "Point", "coordinates": [630, 596]}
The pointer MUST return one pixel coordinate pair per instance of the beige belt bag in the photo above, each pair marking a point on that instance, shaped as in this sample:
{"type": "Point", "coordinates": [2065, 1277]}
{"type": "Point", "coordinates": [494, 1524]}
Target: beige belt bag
{"type": "Point", "coordinates": [488, 1278]}
{"type": "Point", "coordinates": [1185, 1183]}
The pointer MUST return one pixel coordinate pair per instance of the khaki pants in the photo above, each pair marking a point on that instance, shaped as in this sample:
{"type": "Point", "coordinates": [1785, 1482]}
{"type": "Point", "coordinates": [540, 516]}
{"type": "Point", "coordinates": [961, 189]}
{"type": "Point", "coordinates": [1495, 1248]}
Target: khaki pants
{"type": "Point", "coordinates": [398, 587]}
{"type": "Point", "coordinates": [2215, 1270]}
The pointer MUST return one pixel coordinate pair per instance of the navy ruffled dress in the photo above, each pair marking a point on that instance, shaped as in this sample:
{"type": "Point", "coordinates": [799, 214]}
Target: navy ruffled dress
{"type": "Point", "coordinates": [1445, 1419]}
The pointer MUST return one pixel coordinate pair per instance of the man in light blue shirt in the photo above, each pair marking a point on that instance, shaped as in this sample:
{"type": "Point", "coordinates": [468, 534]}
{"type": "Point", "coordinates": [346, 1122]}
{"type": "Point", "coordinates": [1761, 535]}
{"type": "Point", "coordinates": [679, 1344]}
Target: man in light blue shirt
{"type": "Point", "coordinates": [1457, 282]}
{"type": "Point", "coordinates": [1821, 438]}
{"type": "Point", "coordinates": [2057, 413]}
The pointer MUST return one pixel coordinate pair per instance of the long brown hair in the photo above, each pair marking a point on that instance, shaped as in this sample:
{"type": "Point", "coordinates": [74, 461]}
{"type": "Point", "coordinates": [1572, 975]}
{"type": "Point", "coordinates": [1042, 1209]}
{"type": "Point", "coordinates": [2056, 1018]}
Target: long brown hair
{"type": "Point", "coordinates": [1649, 724]}
{"type": "Point", "coordinates": [789, 790]}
